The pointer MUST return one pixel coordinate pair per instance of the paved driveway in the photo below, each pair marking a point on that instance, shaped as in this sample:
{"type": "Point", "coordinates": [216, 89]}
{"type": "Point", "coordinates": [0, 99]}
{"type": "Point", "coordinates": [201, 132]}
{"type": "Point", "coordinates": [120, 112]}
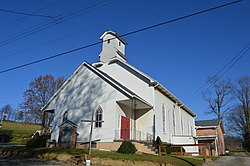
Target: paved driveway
{"type": "Point", "coordinates": [231, 160]}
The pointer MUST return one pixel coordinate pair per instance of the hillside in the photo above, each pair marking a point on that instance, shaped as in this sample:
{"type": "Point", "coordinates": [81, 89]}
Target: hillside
{"type": "Point", "coordinates": [20, 131]}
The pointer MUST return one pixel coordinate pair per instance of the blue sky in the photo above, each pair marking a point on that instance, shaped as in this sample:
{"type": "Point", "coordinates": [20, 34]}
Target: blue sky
{"type": "Point", "coordinates": [180, 55]}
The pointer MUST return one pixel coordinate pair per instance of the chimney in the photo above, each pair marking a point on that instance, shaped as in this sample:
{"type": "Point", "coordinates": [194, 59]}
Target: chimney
{"type": "Point", "coordinates": [113, 46]}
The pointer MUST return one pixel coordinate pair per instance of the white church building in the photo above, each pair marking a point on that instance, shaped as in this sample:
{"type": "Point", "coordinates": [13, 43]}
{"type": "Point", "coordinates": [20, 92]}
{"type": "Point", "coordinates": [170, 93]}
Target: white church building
{"type": "Point", "coordinates": [126, 103]}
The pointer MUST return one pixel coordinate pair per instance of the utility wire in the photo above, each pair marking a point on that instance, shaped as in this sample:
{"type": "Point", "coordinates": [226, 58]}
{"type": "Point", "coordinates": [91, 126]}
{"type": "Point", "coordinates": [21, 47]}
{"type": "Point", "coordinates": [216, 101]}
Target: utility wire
{"type": "Point", "coordinates": [214, 78]}
{"type": "Point", "coordinates": [217, 77]}
{"type": "Point", "coordinates": [19, 19]}
{"type": "Point", "coordinates": [53, 41]}
{"type": "Point", "coordinates": [126, 34]}
{"type": "Point", "coordinates": [26, 14]}
{"type": "Point", "coordinates": [57, 20]}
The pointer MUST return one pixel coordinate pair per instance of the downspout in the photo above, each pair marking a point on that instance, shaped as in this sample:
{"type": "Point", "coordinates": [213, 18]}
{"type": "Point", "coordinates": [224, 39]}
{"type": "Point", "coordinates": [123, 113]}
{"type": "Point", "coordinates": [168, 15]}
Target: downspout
{"type": "Point", "coordinates": [131, 126]}
{"type": "Point", "coordinates": [154, 135]}
{"type": "Point", "coordinates": [134, 110]}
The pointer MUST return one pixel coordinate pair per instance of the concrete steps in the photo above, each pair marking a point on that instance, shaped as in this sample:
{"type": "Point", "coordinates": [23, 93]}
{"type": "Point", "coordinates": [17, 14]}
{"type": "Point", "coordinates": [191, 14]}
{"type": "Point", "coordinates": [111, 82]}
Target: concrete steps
{"type": "Point", "coordinates": [144, 148]}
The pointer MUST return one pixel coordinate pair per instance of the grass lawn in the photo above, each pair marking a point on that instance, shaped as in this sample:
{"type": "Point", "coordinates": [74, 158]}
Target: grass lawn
{"type": "Point", "coordinates": [174, 160]}
{"type": "Point", "coordinates": [20, 130]}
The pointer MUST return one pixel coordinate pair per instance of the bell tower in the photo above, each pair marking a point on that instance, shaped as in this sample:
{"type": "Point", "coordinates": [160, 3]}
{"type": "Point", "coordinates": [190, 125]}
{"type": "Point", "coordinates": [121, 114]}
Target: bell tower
{"type": "Point", "coordinates": [113, 46]}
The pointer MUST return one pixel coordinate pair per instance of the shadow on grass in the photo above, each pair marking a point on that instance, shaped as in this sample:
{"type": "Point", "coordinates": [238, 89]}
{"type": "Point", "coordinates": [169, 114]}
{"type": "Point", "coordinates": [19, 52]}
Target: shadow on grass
{"type": "Point", "coordinates": [180, 158]}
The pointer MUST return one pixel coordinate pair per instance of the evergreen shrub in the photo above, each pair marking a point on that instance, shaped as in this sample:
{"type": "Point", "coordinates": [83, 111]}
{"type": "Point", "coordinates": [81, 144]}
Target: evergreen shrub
{"type": "Point", "coordinates": [37, 141]}
{"type": "Point", "coordinates": [127, 147]}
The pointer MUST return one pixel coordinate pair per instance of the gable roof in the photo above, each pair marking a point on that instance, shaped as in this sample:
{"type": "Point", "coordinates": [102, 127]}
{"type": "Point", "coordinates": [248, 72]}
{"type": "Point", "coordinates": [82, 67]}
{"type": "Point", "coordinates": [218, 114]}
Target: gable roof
{"type": "Point", "coordinates": [125, 91]}
{"type": "Point", "coordinates": [68, 122]}
{"type": "Point", "coordinates": [156, 84]}
{"type": "Point", "coordinates": [115, 34]}
{"type": "Point", "coordinates": [208, 123]}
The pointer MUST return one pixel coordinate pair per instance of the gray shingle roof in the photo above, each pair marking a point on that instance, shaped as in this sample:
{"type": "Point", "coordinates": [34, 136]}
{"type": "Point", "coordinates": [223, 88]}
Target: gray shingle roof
{"type": "Point", "coordinates": [204, 123]}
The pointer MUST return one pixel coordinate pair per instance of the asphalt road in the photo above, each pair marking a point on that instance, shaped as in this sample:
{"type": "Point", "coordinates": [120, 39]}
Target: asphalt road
{"type": "Point", "coordinates": [231, 160]}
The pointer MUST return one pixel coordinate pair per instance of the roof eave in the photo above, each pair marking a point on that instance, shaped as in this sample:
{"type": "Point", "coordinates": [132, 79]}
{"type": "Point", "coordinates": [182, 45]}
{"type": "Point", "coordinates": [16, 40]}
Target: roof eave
{"type": "Point", "coordinates": [115, 34]}
{"type": "Point", "coordinates": [173, 98]}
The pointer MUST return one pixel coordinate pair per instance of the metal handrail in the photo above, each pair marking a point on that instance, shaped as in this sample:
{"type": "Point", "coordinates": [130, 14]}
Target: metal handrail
{"type": "Point", "coordinates": [135, 135]}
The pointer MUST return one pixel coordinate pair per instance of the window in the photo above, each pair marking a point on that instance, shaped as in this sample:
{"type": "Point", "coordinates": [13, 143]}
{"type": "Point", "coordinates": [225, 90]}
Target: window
{"type": "Point", "coordinates": [98, 117]}
{"type": "Point", "coordinates": [119, 43]}
{"type": "Point", "coordinates": [65, 116]}
{"type": "Point", "coordinates": [174, 119]}
{"type": "Point", "coordinates": [108, 40]}
{"type": "Point", "coordinates": [163, 119]}
{"type": "Point", "coordinates": [181, 125]}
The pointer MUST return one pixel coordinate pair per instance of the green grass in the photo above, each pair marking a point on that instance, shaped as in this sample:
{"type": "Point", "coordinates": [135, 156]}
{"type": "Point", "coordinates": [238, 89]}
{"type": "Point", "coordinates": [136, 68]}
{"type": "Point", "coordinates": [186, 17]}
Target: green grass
{"type": "Point", "coordinates": [173, 160]}
{"type": "Point", "coordinates": [20, 130]}
{"type": "Point", "coordinates": [169, 159]}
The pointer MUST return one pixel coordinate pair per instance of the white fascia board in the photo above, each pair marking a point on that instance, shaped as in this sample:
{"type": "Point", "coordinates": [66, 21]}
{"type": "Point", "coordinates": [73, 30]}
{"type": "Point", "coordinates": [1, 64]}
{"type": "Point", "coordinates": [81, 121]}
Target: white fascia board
{"type": "Point", "coordinates": [167, 93]}
{"type": "Point", "coordinates": [156, 84]}
{"type": "Point", "coordinates": [93, 68]}
{"type": "Point", "coordinates": [206, 127]}
{"type": "Point", "coordinates": [115, 34]}
{"type": "Point", "coordinates": [73, 75]}
{"type": "Point", "coordinates": [135, 69]}
{"type": "Point", "coordinates": [207, 136]}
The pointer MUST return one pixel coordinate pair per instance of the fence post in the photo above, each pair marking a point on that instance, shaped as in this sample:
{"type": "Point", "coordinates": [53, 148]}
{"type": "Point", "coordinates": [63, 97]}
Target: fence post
{"type": "Point", "coordinates": [159, 149]}
{"type": "Point", "coordinates": [204, 152]}
{"type": "Point", "coordinates": [209, 152]}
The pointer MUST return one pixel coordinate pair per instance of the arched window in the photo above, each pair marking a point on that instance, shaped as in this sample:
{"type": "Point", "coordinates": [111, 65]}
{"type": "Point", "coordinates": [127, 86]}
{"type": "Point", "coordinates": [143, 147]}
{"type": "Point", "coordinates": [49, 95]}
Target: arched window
{"type": "Point", "coordinates": [174, 119]}
{"type": "Point", "coordinates": [163, 118]}
{"type": "Point", "coordinates": [65, 116]}
{"type": "Point", "coordinates": [98, 117]}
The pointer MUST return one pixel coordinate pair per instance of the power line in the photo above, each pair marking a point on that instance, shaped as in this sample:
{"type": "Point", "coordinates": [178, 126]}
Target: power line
{"type": "Point", "coordinates": [87, 8]}
{"type": "Point", "coordinates": [181, 18]}
{"type": "Point", "coordinates": [19, 19]}
{"type": "Point", "coordinates": [126, 34]}
{"type": "Point", "coordinates": [26, 14]}
{"type": "Point", "coordinates": [52, 41]}
{"type": "Point", "coordinates": [217, 77]}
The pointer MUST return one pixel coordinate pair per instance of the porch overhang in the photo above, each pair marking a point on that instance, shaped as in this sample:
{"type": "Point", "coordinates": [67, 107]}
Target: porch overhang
{"type": "Point", "coordinates": [50, 111]}
{"type": "Point", "coordinates": [204, 138]}
{"type": "Point", "coordinates": [135, 103]}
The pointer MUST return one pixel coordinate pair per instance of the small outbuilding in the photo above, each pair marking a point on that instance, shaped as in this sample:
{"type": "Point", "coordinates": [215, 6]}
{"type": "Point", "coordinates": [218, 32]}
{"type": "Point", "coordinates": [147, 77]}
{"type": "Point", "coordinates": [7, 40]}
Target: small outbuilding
{"type": "Point", "coordinates": [211, 132]}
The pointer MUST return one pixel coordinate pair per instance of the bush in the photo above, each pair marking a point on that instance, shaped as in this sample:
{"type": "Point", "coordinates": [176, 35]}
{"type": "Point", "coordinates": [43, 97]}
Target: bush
{"type": "Point", "coordinates": [127, 147]}
{"type": "Point", "coordinates": [5, 136]}
{"type": "Point", "coordinates": [37, 141]}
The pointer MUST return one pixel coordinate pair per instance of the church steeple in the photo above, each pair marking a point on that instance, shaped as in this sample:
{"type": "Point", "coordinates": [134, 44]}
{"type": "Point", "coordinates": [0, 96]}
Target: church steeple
{"type": "Point", "coordinates": [113, 46]}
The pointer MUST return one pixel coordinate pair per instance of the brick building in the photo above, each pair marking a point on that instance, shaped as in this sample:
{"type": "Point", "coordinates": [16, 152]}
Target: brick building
{"type": "Point", "coordinates": [212, 133]}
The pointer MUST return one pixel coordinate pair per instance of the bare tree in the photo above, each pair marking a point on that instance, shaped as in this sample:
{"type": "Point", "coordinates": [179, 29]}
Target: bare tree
{"type": "Point", "coordinates": [242, 93]}
{"type": "Point", "coordinates": [236, 121]}
{"type": "Point", "coordinates": [40, 90]}
{"type": "Point", "coordinates": [220, 97]}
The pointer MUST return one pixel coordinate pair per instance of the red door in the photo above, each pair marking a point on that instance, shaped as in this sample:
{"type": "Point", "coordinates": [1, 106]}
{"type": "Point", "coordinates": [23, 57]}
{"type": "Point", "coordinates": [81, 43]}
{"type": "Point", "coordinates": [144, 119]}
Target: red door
{"type": "Point", "coordinates": [125, 127]}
